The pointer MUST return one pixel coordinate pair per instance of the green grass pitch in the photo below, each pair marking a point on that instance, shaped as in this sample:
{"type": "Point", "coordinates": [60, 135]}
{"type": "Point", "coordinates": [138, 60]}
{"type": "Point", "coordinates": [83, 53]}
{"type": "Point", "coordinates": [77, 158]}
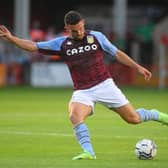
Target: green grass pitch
{"type": "Point", "coordinates": [35, 131]}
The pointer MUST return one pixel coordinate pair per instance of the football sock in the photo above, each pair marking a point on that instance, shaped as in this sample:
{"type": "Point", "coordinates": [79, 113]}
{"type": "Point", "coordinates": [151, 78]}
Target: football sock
{"type": "Point", "coordinates": [146, 115]}
{"type": "Point", "coordinates": [83, 137]}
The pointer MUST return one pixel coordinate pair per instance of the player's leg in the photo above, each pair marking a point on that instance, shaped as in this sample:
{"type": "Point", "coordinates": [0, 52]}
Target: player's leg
{"type": "Point", "coordinates": [129, 114]}
{"type": "Point", "coordinates": [112, 97]}
{"type": "Point", "coordinates": [78, 112]}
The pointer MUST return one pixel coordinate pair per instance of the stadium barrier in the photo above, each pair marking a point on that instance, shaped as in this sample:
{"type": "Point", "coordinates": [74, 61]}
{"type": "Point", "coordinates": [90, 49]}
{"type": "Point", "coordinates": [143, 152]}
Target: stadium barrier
{"type": "Point", "coordinates": [50, 75]}
{"type": "Point", "coordinates": [122, 75]}
{"type": "Point", "coordinates": [11, 74]}
{"type": "Point", "coordinates": [3, 74]}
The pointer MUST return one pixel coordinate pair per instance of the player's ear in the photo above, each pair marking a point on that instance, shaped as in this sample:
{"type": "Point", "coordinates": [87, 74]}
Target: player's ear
{"type": "Point", "coordinates": [66, 28]}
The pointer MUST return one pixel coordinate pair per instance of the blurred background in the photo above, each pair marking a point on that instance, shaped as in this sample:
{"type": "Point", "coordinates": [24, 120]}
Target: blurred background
{"type": "Point", "coordinates": [140, 28]}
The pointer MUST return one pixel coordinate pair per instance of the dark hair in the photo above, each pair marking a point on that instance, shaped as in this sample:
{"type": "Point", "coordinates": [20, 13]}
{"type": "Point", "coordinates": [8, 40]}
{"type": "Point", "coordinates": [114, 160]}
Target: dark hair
{"type": "Point", "coordinates": [72, 18]}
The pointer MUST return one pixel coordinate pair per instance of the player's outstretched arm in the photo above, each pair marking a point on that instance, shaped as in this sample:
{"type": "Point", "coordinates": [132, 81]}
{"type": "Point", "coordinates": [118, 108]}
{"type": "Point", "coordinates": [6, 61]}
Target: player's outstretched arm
{"type": "Point", "coordinates": [126, 60]}
{"type": "Point", "coordinates": [21, 43]}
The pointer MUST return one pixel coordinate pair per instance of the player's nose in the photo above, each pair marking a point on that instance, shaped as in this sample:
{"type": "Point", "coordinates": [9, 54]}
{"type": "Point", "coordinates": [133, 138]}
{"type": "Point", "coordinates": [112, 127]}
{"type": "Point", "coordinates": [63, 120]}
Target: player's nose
{"type": "Point", "coordinates": [79, 32]}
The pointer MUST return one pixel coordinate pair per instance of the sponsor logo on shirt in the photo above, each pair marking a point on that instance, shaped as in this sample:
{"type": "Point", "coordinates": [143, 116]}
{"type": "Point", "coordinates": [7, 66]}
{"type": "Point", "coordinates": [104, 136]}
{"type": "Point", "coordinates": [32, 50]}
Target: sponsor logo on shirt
{"type": "Point", "coordinates": [81, 49]}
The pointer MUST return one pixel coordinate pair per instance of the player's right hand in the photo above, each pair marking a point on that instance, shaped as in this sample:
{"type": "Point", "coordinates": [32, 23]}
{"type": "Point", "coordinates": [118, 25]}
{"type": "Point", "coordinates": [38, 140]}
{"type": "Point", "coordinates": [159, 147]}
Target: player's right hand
{"type": "Point", "coordinates": [4, 32]}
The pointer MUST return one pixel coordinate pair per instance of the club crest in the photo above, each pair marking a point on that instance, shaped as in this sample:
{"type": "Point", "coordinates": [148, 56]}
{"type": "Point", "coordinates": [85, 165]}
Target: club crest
{"type": "Point", "coordinates": [90, 39]}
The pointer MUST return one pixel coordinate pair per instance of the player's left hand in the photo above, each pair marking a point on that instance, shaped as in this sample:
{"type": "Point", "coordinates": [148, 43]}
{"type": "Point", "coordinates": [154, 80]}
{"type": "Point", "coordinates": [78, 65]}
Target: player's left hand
{"type": "Point", "coordinates": [147, 74]}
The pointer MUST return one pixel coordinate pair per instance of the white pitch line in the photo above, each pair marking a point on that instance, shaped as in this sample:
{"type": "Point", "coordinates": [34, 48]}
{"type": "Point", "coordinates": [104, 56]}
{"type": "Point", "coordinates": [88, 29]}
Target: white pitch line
{"type": "Point", "coordinates": [140, 137]}
{"type": "Point", "coordinates": [35, 133]}
{"type": "Point", "coordinates": [28, 133]}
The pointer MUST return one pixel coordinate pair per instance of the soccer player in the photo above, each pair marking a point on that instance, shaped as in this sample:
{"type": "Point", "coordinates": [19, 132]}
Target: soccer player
{"type": "Point", "coordinates": [83, 51]}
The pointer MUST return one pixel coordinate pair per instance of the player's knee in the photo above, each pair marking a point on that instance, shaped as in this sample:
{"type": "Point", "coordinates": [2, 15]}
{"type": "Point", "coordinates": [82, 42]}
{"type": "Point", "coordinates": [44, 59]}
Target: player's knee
{"type": "Point", "coordinates": [133, 120]}
{"type": "Point", "coordinates": [74, 118]}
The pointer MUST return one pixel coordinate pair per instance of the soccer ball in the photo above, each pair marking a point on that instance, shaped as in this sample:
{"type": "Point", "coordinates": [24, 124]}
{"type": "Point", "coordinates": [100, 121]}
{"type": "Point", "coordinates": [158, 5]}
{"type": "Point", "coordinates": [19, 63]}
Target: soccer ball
{"type": "Point", "coordinates": [145, 149]}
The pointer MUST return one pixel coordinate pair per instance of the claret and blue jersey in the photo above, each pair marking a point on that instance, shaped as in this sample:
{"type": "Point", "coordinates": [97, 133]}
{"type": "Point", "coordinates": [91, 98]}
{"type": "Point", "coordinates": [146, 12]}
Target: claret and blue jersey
{"type": "Point", "coordinates": [84, 58]}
